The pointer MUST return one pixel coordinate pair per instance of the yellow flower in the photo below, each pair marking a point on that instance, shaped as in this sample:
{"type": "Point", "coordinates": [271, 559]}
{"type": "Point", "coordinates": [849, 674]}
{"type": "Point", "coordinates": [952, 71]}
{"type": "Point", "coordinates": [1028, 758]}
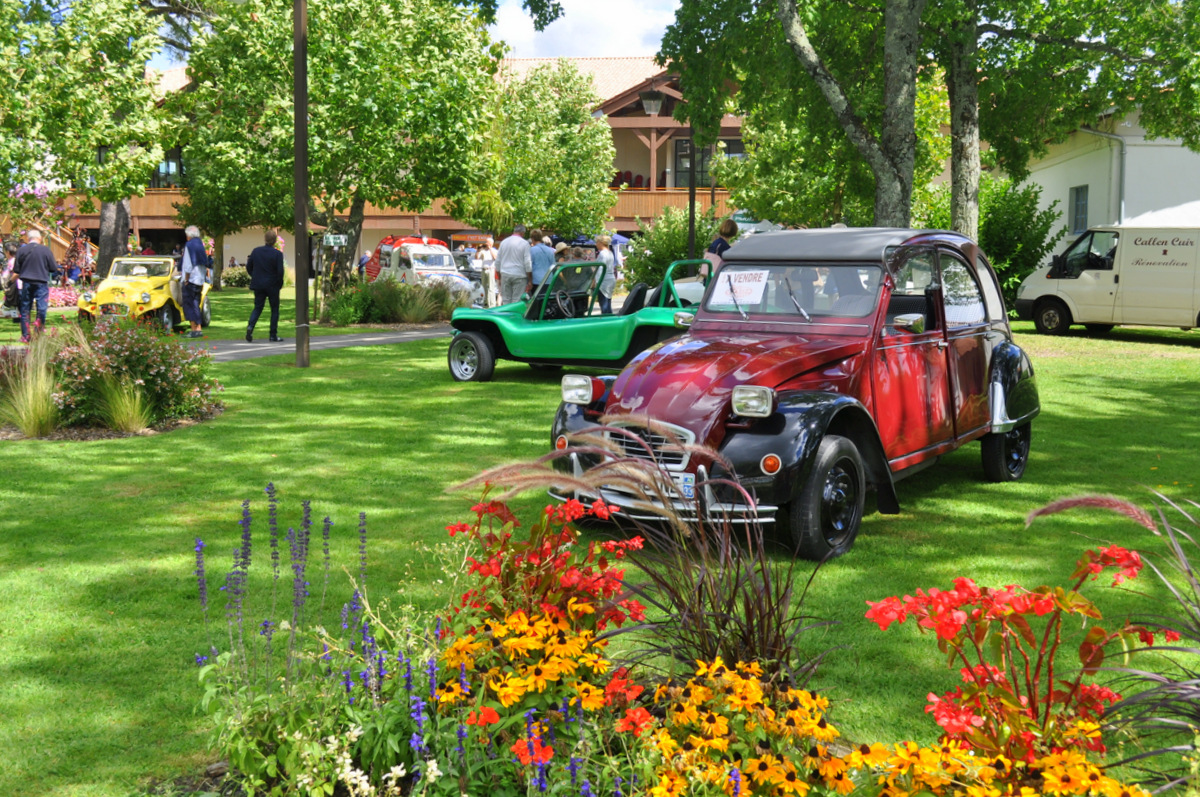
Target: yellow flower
{"type": "Point", "coordinates": [521, 645]}
{"type": "Point", "coordinates": [752, 668]}
{"type": "Point", "coordinates": [499, 630]}
{"type": "Point", "coordinates": [591, 697]}
{"type": "Point", "coordinates": [560, 644]}
{"type": "Point", "coordinates": [518, 623]}
{"type": "Point", "coordinates": [538, 676]}
{"type": "Point", "coordinates": [563, 666]}
{"type": "Point", "coordinates": [684, 713]}
{"type": "Point", "coordinates": [665, 743]}
{"type": "Point", "coordinates": [816, 754]}
{"type": "Point", "coordinates": [509, 689]}
{"type": "Point", "coordinates": [594, 662]}
{"type": "Point", "coordinates": [792, 783]}
{"type": "Point", "coordinates": [577, 608]}
{"type": "Point", "coordinates": [715, 670]}
{"type": "Point", "coordinates": [842, 784]}
{"type": "Point", "coordinates": [765, 769]}
{"type": "Point", "coordinates": [670, 784]}
{"type": "Point", "coordinates": [462, 652]}
{"type": "Point", "coordinates": [831, 768]}
{"type": "Point", "coordinates": [451, 693]}
{"type": "Point", "coordinates": [864, 756]}
{"type": "Point", "coordinates": [713, 724]}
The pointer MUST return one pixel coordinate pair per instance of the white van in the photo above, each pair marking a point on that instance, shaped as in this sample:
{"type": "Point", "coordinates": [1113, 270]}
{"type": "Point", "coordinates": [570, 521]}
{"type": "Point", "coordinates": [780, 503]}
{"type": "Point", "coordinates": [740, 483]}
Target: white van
{"type": "Point", "coordinates": [1120, 274]}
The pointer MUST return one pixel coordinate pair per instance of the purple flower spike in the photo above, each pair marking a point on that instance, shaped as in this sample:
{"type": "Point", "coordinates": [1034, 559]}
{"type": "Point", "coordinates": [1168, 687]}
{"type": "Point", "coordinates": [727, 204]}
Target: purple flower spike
{"type": "Point", "coordinates": [362, 548]}
{"type": "Point", "coordinates": [586, 789]}
{"type": "Point", "coordinates": [735, 779]}
{"type": "Point", "coordinates": [201, 581]}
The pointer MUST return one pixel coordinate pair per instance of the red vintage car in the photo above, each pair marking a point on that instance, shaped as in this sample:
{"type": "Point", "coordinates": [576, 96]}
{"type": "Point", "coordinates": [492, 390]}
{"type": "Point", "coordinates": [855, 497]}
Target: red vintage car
{"type": "Point", "coordinates": [821, 364]}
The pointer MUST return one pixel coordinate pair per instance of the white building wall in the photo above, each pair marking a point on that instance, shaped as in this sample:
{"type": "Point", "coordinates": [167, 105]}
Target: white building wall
{"type": "Point", "coordinates": [1081, 160]}
{"type": "Point", "coordinates": [1160, 174]}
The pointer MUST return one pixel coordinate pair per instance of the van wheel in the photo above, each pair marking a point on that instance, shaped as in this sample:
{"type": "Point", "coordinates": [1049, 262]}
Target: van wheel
{"type": "Point", "coordinates": [1099, 329]}
{"type": "Point", "coordinates": [824, 519]}
{"type": "Point", "coordinates": [1052, 317]}
{"type": "Point", "coordinates": [471, 357]}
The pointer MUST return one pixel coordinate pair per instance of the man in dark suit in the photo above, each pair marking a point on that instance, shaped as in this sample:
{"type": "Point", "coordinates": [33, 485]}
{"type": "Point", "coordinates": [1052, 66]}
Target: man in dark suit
{"type": "Point", "coordinates": [36, 267]}
{"type": "Point", "coordinates": [265, 266]}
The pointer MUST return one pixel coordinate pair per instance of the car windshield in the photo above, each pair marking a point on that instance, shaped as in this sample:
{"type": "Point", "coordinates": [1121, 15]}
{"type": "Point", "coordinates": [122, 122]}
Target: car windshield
{"type": "Point", "coordinates": [140, 268]}
{"type": "Point", "coordinates": [441, 261]}
{"type": "Point", "coordinates": [803, 292]}
{"type": "Point", "coordinates": [576, 278]}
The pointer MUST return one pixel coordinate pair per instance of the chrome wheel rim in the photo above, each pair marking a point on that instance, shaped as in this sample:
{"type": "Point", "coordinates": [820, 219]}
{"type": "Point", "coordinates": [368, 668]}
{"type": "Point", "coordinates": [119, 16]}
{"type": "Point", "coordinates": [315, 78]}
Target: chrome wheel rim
{"type": "Point", "coordinates": [464, 358]}
{"type": "Point", "coordinates": [1016, 450]}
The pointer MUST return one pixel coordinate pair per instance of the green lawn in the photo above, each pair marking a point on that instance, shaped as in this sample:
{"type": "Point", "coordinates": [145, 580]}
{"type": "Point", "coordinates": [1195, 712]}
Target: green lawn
{"type": "Point", "coordinates": [98, 617]}
{"type": "Point", "coordinates": [230, 310]}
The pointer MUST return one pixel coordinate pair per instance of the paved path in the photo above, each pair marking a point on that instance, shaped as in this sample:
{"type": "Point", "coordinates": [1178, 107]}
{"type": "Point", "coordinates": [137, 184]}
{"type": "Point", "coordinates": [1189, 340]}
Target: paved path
{"type": "Point", "coordinates": [228, 350]}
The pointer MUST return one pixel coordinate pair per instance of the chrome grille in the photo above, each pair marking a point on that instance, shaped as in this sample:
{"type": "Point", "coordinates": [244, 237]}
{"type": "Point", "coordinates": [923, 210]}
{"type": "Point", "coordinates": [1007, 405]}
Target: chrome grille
{"type": "Point", "coordinates": [664, 449]}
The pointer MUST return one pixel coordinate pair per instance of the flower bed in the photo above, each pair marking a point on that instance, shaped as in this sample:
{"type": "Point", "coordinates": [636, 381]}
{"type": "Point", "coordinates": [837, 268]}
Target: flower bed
{"type": "Point", "coordinates": [63, 297]}
{"type": "Point", "coordinates": [513, 689]}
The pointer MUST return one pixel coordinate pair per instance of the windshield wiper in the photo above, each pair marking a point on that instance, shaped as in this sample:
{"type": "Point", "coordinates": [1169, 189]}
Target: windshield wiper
{"type": "Point", "coordinates": [792, 296]}
{"type": "Point", "coordinates": [733, 295]}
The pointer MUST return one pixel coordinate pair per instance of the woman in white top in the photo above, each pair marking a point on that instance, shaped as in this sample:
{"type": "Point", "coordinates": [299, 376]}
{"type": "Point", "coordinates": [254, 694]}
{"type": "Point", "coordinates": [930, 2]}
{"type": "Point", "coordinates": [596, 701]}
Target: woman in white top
{"type": "Point", "coordinates": [485, 257]}
{"type": "Point", "coordinates": [604, 255]}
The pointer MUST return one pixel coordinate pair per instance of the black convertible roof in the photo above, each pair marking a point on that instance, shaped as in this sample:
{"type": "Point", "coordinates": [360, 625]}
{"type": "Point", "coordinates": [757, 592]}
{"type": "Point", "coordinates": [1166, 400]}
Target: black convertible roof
{"type": "Point", "coordinates": [858, 244]}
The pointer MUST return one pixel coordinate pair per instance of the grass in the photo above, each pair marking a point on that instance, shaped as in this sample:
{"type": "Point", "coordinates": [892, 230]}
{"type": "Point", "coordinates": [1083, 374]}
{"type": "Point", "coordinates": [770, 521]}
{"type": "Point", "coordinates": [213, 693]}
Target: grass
{"type": "Point", "coordinates": [230, 311]}
{"type": "Point", "coordinates": [98, 618]}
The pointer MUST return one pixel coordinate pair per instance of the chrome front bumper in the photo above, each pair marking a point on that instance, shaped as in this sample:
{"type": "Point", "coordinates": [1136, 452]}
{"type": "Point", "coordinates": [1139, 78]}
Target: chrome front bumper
{"type": "Point", "coordinates": [701, 504]}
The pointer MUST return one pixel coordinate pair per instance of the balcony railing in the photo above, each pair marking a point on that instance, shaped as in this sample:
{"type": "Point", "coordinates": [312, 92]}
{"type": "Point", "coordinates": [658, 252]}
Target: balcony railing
{"type": "Point", "coordinates": [646, 204]}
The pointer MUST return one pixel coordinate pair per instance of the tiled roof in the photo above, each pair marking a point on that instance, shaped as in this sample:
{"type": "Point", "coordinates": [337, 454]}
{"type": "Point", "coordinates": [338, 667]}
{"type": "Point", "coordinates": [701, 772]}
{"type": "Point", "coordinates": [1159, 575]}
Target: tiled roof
{"type": "Point", "coordinates": [168, 81]}
{"type": "Point", "coordinates": [610, 75]}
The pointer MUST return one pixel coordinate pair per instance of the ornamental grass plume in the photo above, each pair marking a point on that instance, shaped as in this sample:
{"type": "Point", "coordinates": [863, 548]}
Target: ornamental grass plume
{"type": "Point", "coordinates": [123, 406]}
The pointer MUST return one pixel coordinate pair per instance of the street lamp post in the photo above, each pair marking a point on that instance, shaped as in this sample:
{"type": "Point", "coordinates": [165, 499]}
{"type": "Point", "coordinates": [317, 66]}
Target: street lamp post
{"type": "Point", "coordinates": [300, 103]}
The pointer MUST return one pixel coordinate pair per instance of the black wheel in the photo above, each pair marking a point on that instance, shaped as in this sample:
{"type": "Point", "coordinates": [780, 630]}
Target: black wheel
{"type": "Point", "coordinates": [825, 518]}
{"type": "Point", "coordinates": [205, 313]}
{"type": "Point", "coordinates": [471, 357]}
{"type": "Point", "coordinates": [566, 307]}
{"type": "Point", "coordinates": [1052, 317]}
{"type": "Point", "coordinates": [1099, 329]}
{"type": "Point", "coordinates": [165, 317]}
{"type": "Point", "coordinates": [1005, 454]}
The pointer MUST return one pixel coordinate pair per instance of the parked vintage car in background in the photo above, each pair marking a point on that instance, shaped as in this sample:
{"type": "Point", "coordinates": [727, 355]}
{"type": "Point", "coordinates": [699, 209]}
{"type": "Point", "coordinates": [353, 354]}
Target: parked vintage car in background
{"type": "Point", "coordinates": [141, 287]}
{"type": "Point", "coordinates": [821, 364]}
{"type": "Point", "coordinates": [419, 261]}
{"type": "Point", "coordinates": [561, 323]}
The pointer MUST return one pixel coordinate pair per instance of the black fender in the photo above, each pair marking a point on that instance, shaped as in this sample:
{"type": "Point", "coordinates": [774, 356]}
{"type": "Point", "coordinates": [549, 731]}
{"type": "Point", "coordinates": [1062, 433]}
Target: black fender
{"type": "Point", "coordinates": [794, 433]}
{"type": "Point", "coordinates": [1012, 388]}
{"type": "Point", "coordinates": [574, 418]}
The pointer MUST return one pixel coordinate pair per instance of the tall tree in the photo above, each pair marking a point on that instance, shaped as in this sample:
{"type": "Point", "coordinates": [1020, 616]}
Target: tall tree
{"type": "Point", "coordinates": [390, 86]}
{"type": "Point", "coordinates": [548, 161]}
{"type": "Point", "coordinates": [77, 108]}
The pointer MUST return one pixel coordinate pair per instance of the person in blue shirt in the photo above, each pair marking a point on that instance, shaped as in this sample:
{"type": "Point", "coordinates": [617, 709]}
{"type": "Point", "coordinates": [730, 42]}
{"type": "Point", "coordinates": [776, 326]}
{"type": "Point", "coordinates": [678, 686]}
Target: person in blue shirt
{"type": "Point", "coordinates": [195, 266]}
{"type": "Point", "coordinates": [541, 256]}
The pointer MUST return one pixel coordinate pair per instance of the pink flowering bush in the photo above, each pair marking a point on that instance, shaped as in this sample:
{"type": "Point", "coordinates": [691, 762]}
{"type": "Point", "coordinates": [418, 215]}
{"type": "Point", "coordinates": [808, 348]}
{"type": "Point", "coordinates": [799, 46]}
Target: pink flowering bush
{"type": "Point", "coordinates": [63, 297]}
{"type": "Point", "coordinates": [172, 376]}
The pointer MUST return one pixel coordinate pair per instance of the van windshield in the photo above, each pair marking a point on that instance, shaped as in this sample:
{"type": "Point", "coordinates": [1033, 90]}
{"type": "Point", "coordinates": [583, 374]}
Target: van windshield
{"type": "Point", "coordinates": [1095, 251]}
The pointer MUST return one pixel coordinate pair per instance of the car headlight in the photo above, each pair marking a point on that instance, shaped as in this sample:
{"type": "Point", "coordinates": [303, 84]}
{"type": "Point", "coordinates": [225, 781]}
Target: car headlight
{"type": "Point", "coordinates": [752, 401]}
{"type": "Point", "coordinates": [88, 296]}
{"type": "Point", "coordinates": [578, 389]}
{"type": "Point", "coordinates": [145, 298]}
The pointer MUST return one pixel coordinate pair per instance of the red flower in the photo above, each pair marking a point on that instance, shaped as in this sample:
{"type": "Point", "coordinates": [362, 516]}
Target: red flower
{"type": "Point", "coordinates": [887, 611]}
{"type": "Point", "coordinates": [635, 720]}
{"type": "Point", "coordinates": [458, 528]}
{"type": "Point", "coordinates": [532, 751]}
{"type": "Point", "coordinates": [487, 716]}
{"type": "Point", "coordinates": [621, 688]}
{"type": "Point", "coordinates": [954, 719]}
{"type": "Point", "coordinates": [1172, 636]}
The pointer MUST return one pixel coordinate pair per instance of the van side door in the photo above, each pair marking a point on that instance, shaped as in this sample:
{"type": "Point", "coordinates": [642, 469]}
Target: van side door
{"type": "Point", "coordinates": [1089, 277]}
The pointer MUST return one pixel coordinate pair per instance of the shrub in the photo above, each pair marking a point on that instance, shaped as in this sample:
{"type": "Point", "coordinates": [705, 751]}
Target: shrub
{"type": "Point", "coordinates": [235, 277]}
{"type": "Point", "coordinates": [665, 240]}
{"type": "Point", "coordinates": [123, 406]}
{"type": "Point", "coordinates": [172, 376]}
{"type": "Point", "coordinates": [1013, 232]}
{"type": "Point", "coordinates": [27, 402]}
{"type": "Point", "coordinates": [390, 302]}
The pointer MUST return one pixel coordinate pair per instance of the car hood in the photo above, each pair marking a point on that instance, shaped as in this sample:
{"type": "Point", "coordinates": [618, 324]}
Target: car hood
{"type": "Point", "coordinates": [134, 287]}
{"type": "Point", "coordinates": [688, 381]}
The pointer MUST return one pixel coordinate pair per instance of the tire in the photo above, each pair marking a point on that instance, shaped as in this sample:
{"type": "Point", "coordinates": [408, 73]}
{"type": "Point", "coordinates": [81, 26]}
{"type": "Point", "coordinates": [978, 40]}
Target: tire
{"type": "Point", "coordinates": [824, 520]}
{"type": "Point", "coordinates": [165, 318]}
{"type": "Point", "coordinates": [471, 357]}
{"type": "Point", "coordinates": [1051, 317]}
{"type": "Point", "coordinates": [1005, 454]}
{"type": "Point", "coordinates": [1099, 329]}
{"type": "Point", "coordinates": [205, 314]}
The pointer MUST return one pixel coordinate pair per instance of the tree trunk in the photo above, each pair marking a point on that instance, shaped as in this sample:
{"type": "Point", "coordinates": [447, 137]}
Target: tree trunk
{"type": "Point", "coordinates": [114, 234]}
{"type": "Point", "coordinates": [892, 155]}
{"type": "Point", "coordinates": [962, 85]}
{"type": "Point", "coordinates": [340, 272]}
{"type": "Point", "coordinates": [218, 261]}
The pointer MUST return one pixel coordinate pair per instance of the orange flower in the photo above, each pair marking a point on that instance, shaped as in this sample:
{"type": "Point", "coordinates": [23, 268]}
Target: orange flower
{"type": "Point", "coordinates": [486, 716]}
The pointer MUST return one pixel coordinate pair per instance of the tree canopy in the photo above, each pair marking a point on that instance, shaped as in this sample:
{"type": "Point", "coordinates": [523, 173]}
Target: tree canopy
{"type": "Point", "coordinates": [548, 161]}
{"type": "Point", "coordinates": [392, 85]}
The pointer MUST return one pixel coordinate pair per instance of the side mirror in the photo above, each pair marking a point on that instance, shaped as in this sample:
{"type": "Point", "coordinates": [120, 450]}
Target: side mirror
{"type": "Point", "coordinates": [911, 322]}
{"type": "Point", "coordinates": [684, 320]}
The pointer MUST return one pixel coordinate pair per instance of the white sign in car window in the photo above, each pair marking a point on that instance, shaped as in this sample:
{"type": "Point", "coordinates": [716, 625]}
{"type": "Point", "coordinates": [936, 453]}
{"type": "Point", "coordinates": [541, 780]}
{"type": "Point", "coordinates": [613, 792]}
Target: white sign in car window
{"type": "Point", "coordinates": [745, 286]}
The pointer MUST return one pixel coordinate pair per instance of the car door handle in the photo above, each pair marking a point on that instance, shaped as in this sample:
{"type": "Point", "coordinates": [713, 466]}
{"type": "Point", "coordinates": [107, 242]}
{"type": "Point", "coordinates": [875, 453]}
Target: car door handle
{"type": "Point", "coordinates": [941, 344]}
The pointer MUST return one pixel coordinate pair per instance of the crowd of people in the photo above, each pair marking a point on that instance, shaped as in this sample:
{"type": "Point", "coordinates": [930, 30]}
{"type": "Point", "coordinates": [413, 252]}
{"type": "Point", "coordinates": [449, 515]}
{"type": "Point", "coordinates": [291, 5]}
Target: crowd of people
{"type": "Point", "coordinates": [519, 265]}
